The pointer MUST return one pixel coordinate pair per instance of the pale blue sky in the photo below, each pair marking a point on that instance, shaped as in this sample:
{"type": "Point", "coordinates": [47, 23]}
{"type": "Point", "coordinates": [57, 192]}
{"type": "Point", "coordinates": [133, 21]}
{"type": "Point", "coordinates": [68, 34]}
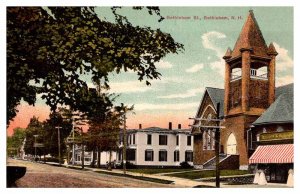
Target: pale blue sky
{"type": "Point", "coordinates": [184, 76]}
{"type": "Point", "coordinates": [177, 95]}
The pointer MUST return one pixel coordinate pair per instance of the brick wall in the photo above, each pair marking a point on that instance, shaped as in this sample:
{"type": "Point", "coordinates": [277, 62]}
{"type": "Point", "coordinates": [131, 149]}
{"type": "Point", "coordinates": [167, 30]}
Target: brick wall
{"type": "Point", "coordinates": [231, 163]}
{"type": "Point", "coordinates": [237, 125]}
{"type": "Point", "coordinates": [258, 93]}
{"type": "Point", "coordinates": [201, 156]}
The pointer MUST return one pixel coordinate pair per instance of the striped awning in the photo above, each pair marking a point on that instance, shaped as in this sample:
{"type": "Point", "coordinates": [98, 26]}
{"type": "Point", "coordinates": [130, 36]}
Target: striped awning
{"type": "Point", "coordinates": [282, 153]}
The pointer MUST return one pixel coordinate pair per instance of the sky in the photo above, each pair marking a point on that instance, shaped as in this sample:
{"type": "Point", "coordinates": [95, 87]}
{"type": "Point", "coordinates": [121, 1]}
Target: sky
{"type": "Point", "coordinates": [177, 95]}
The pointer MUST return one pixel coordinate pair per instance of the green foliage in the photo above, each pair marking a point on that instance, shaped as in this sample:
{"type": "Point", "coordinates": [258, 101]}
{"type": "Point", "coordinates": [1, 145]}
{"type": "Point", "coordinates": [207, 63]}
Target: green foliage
{"type": "Point", "coordinates": [15, 142]}
{"type": "Point", "coordinates": [208, 173]}
{"type": "Point", "coordinates": [34, 127]}
{"type": "Point", "coordinates": [49, 50]}
{"type": "Point", "coordinates": [50, 137]}
{"type": "Point", "coordinates": [185, 165]}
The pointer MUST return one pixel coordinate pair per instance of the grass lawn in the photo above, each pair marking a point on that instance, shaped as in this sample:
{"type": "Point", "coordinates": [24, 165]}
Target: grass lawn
{"type": "Point", "coordinates": [208, 173]}
{"type": "Point", "coordinates": [155, 180]}
{"type": "Point", "coordinates": [159, 170]}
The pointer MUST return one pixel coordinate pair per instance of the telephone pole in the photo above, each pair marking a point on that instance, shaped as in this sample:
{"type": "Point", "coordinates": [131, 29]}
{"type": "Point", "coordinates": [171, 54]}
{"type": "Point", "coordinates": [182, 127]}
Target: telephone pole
{"type": "Point", "coordinates": [216, 138]}
{"type": "Point", "coordinates": [73, 145]}
{"type": "Point", "coordinates": [124, 143]}
{"type": "Point", "coordinates": [217, 147]}
{"type": "Point", "coordinates": [58, 136]}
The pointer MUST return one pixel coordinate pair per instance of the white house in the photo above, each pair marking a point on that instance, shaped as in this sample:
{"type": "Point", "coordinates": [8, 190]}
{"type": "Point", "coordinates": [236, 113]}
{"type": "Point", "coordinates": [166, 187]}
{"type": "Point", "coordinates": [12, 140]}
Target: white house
{"type": "Point", "coordinates": [158, 147]}
{"type": "Point", "coordinates": [88, 157]}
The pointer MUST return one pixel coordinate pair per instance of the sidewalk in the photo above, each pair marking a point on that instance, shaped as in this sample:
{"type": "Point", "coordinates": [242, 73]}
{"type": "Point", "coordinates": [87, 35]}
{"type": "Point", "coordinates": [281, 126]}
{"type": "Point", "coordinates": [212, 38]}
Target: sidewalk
{"type": "Point", "coordinates": [180, 182]}
{"type": "Point", "coordinates": [177, 181]}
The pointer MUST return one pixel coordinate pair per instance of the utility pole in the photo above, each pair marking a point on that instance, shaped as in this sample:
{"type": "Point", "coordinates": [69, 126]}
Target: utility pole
{"type": "Point", "coordinates": [124, 143]}
{"type": "Point", "coordinates": [82, 150]}
{"type": "Point", "coordinates": [82, 155]}
{"type": "Point", "coordinates": [217, 147]}
{"type": "Point", "coordinates": [73, 146]}
{"type": "Point", "coordinates": [58, 136]}
{"type": "Point", "coordinates": [216, 138]}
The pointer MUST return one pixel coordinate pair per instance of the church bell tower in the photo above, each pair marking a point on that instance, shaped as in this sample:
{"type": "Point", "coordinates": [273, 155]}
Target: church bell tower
{"type": "Point", "coordinates": [249, 72]}
{"type": "Point", "coordinates": [249, 87]}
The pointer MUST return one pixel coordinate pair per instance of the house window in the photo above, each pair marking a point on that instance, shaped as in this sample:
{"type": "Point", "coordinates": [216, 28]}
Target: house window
{"type": "Point", "coordinates": [264, 130]}
{"type": "Point", "coordinates": [133, 138]}
{"type": "Point", "coordinates": [176, 156]}
{"type": "Point", "coordinates": [212, 139]}
{"type": "Point", "coordinates": [204, 140]}
{"type": "Point", "coordinates": [189, 140]}
{"type": "Point", "coordinates": [208, 140]}
{"type": "Point", "coordinates": [148, 155]}
{"type": "Point", "coordinates": [149, 139]}
{"type": "Point", "coordinates": [163, 140]}
{"type": "Point", "coordinates": [280, 129]}
{"type": "Point", "coordinates": [129, 139]}
{"type": "Point", "coordinates": [130, 154]}
{"type": "Point", "coordinates": [177, 139]}
{"type": "Point", "coordinates": [189, 156]}
{"type": "Point", "coordinates": [162, 155]}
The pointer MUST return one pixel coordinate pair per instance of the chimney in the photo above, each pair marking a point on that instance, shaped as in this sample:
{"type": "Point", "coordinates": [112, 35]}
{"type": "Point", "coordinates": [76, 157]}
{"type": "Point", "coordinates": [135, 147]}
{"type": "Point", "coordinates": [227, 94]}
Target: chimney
{"type": "Point", "coordinates": [170, 125]}
{"type": "Point", "coordinates": [179, 126]}
{"type": "Point", "coordinates": [140, 126]}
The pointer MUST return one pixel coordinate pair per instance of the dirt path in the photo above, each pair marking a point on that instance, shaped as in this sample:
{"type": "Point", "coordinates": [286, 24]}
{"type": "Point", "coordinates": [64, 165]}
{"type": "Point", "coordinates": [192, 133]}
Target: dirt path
{"type": "Point", "coordinates": [45, 176]}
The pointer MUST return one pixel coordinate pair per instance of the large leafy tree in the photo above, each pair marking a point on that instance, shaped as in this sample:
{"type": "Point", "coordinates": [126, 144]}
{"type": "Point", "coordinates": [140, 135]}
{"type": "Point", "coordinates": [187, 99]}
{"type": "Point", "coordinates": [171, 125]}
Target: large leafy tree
{"type": "Point", "coordinates": [15, 142]}
{"type": "Point", "coordinates": [48, 51]}
{"type": "Point", "coordinates": [35, 127]}
{"type": "Point", "coordinates": [51, 132]}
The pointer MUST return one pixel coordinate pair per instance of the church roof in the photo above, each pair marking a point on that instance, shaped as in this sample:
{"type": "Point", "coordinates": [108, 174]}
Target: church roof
{"type": "Point", "coordinates": [217, 96]}
{"type": "Point", "coordinates": [272, 50]}
{"type": "Point", "coordinates": [281, 111]}
{"type": "Point", "coordinates": [251, 38]}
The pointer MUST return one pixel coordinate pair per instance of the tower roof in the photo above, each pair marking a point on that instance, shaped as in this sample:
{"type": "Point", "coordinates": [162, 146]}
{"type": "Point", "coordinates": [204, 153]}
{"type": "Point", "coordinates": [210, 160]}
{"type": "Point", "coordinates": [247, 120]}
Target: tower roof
{"type": "Point", "coordinates": [227, 54]}
{"type": "Point", "coordinates": [272, 50]}
{"type": "Point", "coordinates": [251, 38]}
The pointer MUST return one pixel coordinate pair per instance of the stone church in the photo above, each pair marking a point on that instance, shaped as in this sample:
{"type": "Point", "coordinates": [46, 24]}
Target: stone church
{"type": "Point", "coordinates": [248, 97]}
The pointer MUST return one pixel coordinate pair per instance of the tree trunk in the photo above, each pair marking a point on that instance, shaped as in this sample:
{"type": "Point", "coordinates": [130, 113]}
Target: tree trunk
{"type": "Point", "coordinates": [109, 160]}
{"type": "Point", "coordinates": [98, 157]}
{"type": "Point", "coordinates": [82, 156]}
{"type": "Point", "coordinates": [93, 159]}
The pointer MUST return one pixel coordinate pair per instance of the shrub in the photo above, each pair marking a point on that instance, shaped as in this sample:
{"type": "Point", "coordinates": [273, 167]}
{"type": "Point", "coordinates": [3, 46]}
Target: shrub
{"type": "Point", "coordinates": [185, 164]}
{"type": "Point", "coordinates": [129, 165]}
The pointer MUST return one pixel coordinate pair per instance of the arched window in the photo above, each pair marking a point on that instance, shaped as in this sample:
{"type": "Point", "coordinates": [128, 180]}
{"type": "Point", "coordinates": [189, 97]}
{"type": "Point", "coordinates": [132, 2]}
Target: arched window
{"type": "Point", "coordinates": [208, 139]}
{"type": "Point", "coordinates": [279, 129]}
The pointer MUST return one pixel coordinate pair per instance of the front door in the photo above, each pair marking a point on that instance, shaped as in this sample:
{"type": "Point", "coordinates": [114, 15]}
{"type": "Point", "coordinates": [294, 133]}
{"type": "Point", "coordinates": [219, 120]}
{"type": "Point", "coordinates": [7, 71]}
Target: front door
{"type": "Point", "coordinates": [231, 145]}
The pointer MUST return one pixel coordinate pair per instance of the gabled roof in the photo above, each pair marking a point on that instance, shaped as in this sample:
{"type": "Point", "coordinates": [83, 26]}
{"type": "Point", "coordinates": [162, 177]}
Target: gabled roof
{"type": "Point", "coordinates": [217, 96]}
{"type": "Point", "coordinates": [281, 111]}
{"type": "Point", "coordinates": [251, 38]}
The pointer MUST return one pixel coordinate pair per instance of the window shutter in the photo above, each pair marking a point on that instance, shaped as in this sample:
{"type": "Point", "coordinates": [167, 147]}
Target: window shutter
{"type": "Point", "coordinates": [152, 156]}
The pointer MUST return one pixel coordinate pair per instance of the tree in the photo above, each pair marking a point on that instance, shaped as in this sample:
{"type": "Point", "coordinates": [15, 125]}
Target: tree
{"type": "Point", "coordinates": [51, 132]}
{"type": "Point", "coordinates": [49, 49]}
{"type": "Point", "coordinates": [35, 127]}
{"type": "Point", "coordinates": [15, 142]}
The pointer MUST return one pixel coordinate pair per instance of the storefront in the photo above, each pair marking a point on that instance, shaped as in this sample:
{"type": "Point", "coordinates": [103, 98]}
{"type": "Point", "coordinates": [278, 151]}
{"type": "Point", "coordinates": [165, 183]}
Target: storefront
{"type": "Point", "coordinates": [275, 160]}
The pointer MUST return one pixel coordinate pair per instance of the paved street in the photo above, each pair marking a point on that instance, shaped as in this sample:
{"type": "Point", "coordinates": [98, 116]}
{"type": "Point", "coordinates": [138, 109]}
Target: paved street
{"type": "Point", "coordinates": [43, 175]}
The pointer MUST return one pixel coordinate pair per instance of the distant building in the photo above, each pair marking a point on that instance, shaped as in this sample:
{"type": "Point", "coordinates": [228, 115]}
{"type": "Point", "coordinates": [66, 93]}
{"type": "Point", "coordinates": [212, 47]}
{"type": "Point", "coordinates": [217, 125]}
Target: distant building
{"type": "Point", "coordinates": [258, 118]}
{"type": "Point", "coordinates": [158, 147]}
{"type": "Point", "coordinates": [88, 157]}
